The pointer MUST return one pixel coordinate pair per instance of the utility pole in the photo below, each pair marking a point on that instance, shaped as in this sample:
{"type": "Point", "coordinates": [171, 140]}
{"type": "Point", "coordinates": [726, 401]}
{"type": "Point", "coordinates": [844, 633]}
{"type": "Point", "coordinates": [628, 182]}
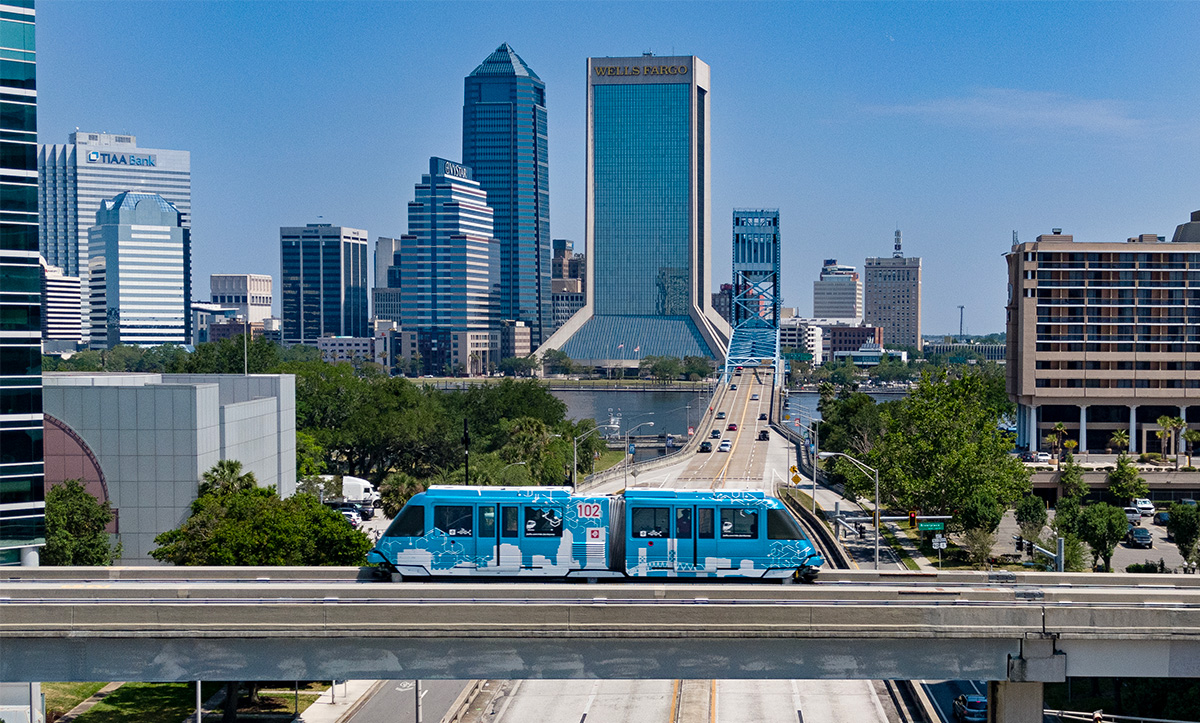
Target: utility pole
{"type": "Point", "coordinates": [466, 440]}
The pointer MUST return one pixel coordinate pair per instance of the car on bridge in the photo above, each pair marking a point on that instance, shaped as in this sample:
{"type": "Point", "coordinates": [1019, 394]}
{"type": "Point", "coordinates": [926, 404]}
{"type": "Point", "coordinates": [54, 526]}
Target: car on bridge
{"type": "Point", "coordinates": [715, 434]}
{"type": "Point", "coordinates": [726, 445]}
{"type": "Point", "coordinates": [754, 397]}
{"type": "Point", "coordinates": [720, 415]}
{"type": "Point", "coordinates": [705, 447]}
{"type": "Point", "coordinates": [970, 708]}
{"type": "Point", "coordinates": [731, 428]}
{"type": "Point", "coordinates": [733, 387]}
{"type": "Point", "coordinates": [1139, 537]}
{"type": "Point", "coordinates": [762, 416]}
{"type": "Point", "coordinates": [764, 435]}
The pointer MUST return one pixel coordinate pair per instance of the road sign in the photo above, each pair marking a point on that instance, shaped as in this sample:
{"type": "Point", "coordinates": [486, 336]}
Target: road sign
{"type": "Point", "coordinates": [793, 469]}
{"type": "Point", "coordinates": [939, 543]}
{"type": "Point", "coordinates": [931, 526]}
{"type": "Point", "coordinates": [632, 449]}
{"type": "Point", "coordinates": [797, 479]}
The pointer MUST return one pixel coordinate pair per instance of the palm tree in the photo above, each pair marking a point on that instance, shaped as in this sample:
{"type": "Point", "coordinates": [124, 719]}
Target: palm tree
{"type": "Point", "coordinates": [1166, 427]}
{"type": "Point", "coordinates": [226, 476]}
{"type": "Point", "coordinates": [1191, 436]}
{"type": "Point", "coordinates": [1120, 440]}
{"type": "Point", "coordinates": [1070, 445]}
{"type": "Point", "coordinates": [1176, 426]}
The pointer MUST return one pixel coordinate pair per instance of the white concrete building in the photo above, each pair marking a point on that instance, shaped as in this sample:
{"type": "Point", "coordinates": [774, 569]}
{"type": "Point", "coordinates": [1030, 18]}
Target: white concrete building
{"type": "Point", "coordinates": [838, 293]}
{"type": "Point", "coordinates": [250, 294]}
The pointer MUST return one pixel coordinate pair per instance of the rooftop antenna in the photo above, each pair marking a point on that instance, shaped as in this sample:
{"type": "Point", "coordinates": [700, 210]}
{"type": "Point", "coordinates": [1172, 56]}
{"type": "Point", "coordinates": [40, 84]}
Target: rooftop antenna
{"type": "Point", "coordinates": [897, 253]}
{"type": "Point", "coordinates": [1015, 241]}
{"type": "Point", "coordinates": [960, 321]}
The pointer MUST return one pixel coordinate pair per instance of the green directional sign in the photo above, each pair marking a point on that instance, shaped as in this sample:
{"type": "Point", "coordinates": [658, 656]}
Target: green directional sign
{"type": "Point", "coordinates": [933, 526]}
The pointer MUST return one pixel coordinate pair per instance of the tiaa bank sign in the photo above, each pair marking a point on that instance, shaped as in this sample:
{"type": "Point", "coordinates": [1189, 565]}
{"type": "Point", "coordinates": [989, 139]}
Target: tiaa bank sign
{"type": "Point", "coordinates": [122, 159]}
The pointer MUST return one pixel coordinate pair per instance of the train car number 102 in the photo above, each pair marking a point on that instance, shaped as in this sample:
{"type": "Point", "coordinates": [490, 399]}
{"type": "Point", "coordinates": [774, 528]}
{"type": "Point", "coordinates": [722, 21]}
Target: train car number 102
{"type": "Point", "coordinates": [589, 510]}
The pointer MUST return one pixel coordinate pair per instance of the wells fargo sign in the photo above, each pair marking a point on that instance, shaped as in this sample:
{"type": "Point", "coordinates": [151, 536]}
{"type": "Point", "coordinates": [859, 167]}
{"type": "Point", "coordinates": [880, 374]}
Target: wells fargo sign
{"type": "Point", "coordinates": [630, 70]}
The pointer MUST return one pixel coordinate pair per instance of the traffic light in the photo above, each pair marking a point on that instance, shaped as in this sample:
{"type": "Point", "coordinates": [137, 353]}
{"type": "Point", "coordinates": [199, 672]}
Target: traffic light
{"type": "Point", "coordinates": [912, 519]}
{"type": "Point", "coordinates": [1029, 546]}
{"type": "Point", "coordinates": [1020, 543]}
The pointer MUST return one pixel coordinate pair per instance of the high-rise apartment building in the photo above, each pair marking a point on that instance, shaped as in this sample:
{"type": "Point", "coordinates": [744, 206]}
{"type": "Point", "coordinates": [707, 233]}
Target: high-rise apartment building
{"type": "Point", "coordinates": [1104, 337]}
{"type": "Point", "coordinates": [139, 273]}
{"type": "Point", "coordinates": [838, 293]}
{"type": "Point", "coordinates": [323, 275]}
{"type": "Point", "coordinates": [90, 168]}
{"type": "Point", "coordinates": [892, 297]}
{"type": "Point", "coordinates": [648, 221]}
{"type": "Point", "coordinates": [505, 145]}
{"type": "Point", "coordinates": [449, 270]}
{"type": "Point", "coordinates": [385, 297]}
{"type": "Point", "coordinates": [62, 320]}
{"type": "Point", "coordinates": [22, 499]}
{"type": "Point", "coordinates": [250, 294]}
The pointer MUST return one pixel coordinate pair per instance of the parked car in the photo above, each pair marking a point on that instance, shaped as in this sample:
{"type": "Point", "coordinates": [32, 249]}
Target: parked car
{"type": "Point", "coordinates": [715, 434]}
{"type": "Point", "coordinates": [762, 416]}
{"type": "Point", "coordinates": [764, 435]}
{"type": "Point", "coordinates": [1134, 515]}
{"type": "Point", "coordinates": [1186, 501]}
{"type": "Point", "coordinates": [705, 446]}
{"type": "Point", "coordinates": [970, 709]}
{"type": "Point", "coordinates": [353, 518]}
{"type": "Point", "coordinates": [1161, 518]}
{"type": "Point", "coordinates": [732, 427]}
{"type": "Point", "coordinates": [364, 512]}
{"type": "Point", "coordinates": [1145, 506]}
{"type": "Point", "coordinates": [726, 445]}
{"type": "Point", "coordinates": [1139, 537]}
{"type": "Point", "coordinates": [720, 415]}
{"type": "Point", "coordinates": [1041, 456]}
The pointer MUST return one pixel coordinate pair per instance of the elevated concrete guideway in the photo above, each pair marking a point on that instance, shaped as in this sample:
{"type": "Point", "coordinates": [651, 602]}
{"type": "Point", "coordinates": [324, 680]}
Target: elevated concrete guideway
{"type": "Point", "coordinates": [856, 625]}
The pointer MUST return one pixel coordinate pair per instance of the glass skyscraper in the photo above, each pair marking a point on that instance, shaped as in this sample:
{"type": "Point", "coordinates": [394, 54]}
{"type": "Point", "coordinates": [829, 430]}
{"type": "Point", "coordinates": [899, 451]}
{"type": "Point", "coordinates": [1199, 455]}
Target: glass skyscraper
{"type": "Point", "coordinates": [22, 499]}
{"type": "Point", "coordinates": [323, 270]}
{"type": "Point", "coordinates": [648, 223]}
{"type": "Point", "coordinates": [505, 144]}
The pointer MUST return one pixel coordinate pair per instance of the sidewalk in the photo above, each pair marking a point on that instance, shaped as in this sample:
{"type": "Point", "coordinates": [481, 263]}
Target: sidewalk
{"type": "Point", "coordinates": [340, 701]}
{"type": "Point", "coordinates": [87, 705]}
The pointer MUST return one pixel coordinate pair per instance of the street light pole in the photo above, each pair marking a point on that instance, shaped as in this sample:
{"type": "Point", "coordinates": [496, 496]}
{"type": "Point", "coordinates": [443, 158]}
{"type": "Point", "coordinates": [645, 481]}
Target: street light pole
{"type": "Point", "coordinates": [627, 433]}
{"type": "Point", "coordinates": [873, 471]}
{"type": "Point", "coordinates": [575, 453]}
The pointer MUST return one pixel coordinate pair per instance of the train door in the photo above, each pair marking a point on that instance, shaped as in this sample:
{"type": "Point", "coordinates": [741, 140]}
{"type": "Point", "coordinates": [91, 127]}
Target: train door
{"type": "Point", "coordinates": [487, 537]}
{"type": "Point", "coordinates": [706, 538]}
{"type": "Point", "coordinates": [457, 522]}
{"type": "Point", "coordinates": [739, 538]}
{"type": "Point", "coordinates": [543, 538]}
{"type": "Point", "coordinates": [685, 538]}
{"type": "Point", "coordinates": [508, 539]}
{"type": "Point", "coordinates": [649, 538]}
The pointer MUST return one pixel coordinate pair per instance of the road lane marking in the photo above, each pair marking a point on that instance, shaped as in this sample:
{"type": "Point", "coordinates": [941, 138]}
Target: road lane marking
{"type": "Point", "coordinates": [674, 701]}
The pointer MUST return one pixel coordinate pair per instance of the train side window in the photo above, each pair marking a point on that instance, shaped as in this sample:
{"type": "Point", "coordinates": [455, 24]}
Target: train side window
{"type": "Point", "coordinates": [782, 526]}
{"type": "Point", "coordinates": [512, 524]}
{"type": "Point", "coordinates": [650, 522]}
{"type": "Point", "coordinates": [704, 523]}
{"type": "Point", "coordinates": [739, 523]}
{"type": "Point", "coordinates": [683, 523]}
{"type": "Point", "coordinates": [543, 522]}
{"type": "Point", "coordinates": [409, 523]}
{"type": "Point", "coordinates": [454, 520]}
{"type": "Point", "coordinates": [487, 521]}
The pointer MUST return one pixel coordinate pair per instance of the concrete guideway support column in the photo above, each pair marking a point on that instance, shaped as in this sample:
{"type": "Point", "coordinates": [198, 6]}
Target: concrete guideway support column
{"type": "Point", "coordinates": [1133, 438]}
{"type": "Point", "coordinates": [1082, 448]}
{"type": "Point", "coordinates": [1019, 699]}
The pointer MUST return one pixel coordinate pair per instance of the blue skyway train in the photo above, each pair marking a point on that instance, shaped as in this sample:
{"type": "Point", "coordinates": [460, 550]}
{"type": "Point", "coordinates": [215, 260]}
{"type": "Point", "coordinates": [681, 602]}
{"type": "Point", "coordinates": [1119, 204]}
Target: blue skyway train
{"type": "Point", "coordinates": [549, 532]}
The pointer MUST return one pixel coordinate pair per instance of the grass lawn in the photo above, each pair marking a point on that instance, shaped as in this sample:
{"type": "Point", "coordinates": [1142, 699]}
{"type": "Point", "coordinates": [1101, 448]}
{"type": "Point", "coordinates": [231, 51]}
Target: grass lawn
{"type": "Point", "coordinates": [148, 703]}
{"type": "Point", "coordinates": [62, 697]}
{"type": "Point", "coordinates": [608, 458]}
{"type": "Point", "coordinates": [277, 702]}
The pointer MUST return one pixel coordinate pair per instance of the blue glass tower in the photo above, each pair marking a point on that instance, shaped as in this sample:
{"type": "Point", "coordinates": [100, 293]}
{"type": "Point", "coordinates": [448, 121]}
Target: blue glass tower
{"type": "Point", "coordinates": [323, 269]}
{"type": "Point", "coordinates": [22, 498]}
{"type": "Point", "coordinates": [648, 223]}
{"type": "Point", "coordinates": [505, 144]}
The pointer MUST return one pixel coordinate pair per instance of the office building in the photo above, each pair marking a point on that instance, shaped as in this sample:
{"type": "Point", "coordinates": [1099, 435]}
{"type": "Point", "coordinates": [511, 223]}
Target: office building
{"type": "Point", "coordinates": [505, 145]}
{"type": "Point", "coordinates": [449, 271]}
{"type": "Point", "coordinates": [805, 338]}
{"type": "Point", "coordinates": [62, 318]}
{"type": "Point", "coordinates": [142, 441]}
{"type": "Point", "coordinates": [838, 293]}
{"type": "Point", "coordinates": [234, 328]}
{"type": "Point", "coordinates": [848, 338]}
{"type": "Point", "coordinates": [892, 297]}
{"type": "Point", "coordinates": [722, 302]}
{"type": "Point", "coordinates": [568, 298]}
{"type": "Point", "coordinates": [514, 339]}
{"type": "Point", "coordinates": [250, 294]}
{"type": "Point", "coordinates": [385, 296]}
{"type": "Point", "coordinates": [1103, 337]}
{"type": "Point", "coordinates": [22, 501]}
{"type": "Point", "coordinates": [335, 349]}
{"type": "Point", "coordinates": [139, 273]}
{"type": "Point", "coordinates": [76, 177]}
{"type": "Point", "coordinates": [648, 220]}
{"type": "Point", "coordinates": [966, 351]}
{"type": "Point", "coordinates": [323, 272]}
{"type": "Point", "coordinates": [204, 314]}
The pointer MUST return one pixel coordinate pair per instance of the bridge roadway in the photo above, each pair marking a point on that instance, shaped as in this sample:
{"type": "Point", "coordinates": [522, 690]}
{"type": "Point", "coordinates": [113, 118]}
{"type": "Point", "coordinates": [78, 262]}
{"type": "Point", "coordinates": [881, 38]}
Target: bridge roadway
{"type": "Point", "coordinates": [124, 624]}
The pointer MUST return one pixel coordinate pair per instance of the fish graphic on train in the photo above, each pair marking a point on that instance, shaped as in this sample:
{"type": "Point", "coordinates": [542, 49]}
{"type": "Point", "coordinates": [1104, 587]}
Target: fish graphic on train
{"type": "Point", "coordinates": [550, 532]}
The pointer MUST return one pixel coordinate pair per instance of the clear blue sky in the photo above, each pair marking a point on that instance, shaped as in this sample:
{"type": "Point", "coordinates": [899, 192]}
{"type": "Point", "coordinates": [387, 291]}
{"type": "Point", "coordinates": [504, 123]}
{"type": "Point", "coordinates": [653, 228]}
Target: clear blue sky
{"type": "Point", "coordinates": [958, 122]}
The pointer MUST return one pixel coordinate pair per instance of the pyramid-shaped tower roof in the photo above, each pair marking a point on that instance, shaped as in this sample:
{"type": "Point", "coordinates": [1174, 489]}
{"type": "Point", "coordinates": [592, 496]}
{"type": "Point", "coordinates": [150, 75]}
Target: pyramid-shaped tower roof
{"type": "Point", "coordinates": [505, 62]}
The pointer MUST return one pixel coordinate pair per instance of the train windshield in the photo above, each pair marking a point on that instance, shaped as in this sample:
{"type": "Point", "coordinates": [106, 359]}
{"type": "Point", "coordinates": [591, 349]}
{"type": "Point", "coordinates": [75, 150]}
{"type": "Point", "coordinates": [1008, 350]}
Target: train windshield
{"type": "Point", "coordinates": [409, 523]}
{"type": "Point", "coordinates": [782, 526]}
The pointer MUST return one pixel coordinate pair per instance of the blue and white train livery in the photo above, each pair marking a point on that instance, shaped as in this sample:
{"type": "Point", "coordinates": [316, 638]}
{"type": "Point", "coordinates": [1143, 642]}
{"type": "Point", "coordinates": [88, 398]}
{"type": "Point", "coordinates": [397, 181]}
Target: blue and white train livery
{"type": "Point", "coordinates": [550, 532]}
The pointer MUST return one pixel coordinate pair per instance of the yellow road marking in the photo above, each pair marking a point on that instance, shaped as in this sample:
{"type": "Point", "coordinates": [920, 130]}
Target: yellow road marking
{"type": "Point", "coordinates": [712, 702]}
{"type": "Point", "coordinates": [674, 700]}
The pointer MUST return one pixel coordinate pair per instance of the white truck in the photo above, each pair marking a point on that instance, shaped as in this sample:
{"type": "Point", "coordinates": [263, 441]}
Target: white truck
{"type": "Point", "coordinates": [357, 490]}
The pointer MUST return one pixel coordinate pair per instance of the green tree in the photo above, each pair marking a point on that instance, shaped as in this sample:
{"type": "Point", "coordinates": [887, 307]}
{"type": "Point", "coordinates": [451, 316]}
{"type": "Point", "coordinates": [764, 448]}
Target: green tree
{"type": "Point", "coordinates": [76, 524]}
{"type": "Point", "coordinates": [1184, 526]}
{"type": "Point", "coordinates": [978, 543]}
{"type": "Point", "coordinates": [396, 490]}
{"type": "Point", "coordinates": [1071, 478]}
{"type": "Point", "coordinates": [226, 476]}
{"type": "Point", "coordinates": [980, 511]}
{"type": "Point", "coordinates": [518, 366]}
{"type": "Point", "coordinates": [1192, 437]}
{"type": "Point", "coordinates": [1102, 526]}
{"type": "Point", "coordinates": [556, 361]}
{"type": "Point", "coordinates": [942, 445]}
{"type": "Point", "coordinates": [1031, 516]}
{"type": "Point", "coordinates": [851, 423]}
{"type": "Point", "coordinates": [1066, 516]}
{"type": "Point", "coordinates": [1120, 440]}
{"type": "Point", "coordinates": [1124, 483]}
{"type": "Point", "coordinates": [310, 455]}
{"type": "Point", "coordinates": [698, 367]}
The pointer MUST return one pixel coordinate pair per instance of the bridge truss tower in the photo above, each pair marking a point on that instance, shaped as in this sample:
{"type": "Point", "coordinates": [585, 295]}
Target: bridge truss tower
{"type": "Point", "coordinates": [756, 291]}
